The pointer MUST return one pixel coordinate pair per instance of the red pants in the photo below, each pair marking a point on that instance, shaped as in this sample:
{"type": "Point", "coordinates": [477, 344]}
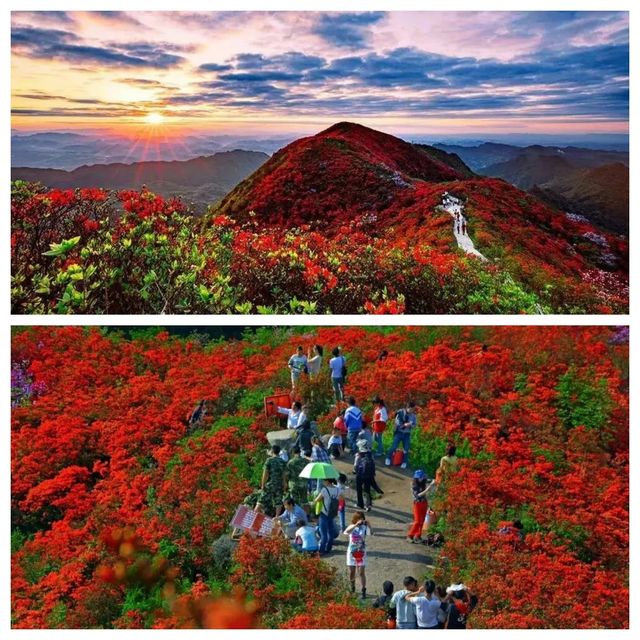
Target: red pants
{"type": "Point", "coordinates": [419, 513]}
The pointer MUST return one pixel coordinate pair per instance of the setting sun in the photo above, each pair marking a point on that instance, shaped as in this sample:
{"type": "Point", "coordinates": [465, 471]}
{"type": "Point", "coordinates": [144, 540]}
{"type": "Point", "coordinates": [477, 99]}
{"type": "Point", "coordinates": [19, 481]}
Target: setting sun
{"type": "Point", "coordinates": [154, 118]}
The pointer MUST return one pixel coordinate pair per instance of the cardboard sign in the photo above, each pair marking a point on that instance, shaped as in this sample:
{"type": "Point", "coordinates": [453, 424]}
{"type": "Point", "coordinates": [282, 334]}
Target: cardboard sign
{"type": "Point", "coordinates": [250, 520]}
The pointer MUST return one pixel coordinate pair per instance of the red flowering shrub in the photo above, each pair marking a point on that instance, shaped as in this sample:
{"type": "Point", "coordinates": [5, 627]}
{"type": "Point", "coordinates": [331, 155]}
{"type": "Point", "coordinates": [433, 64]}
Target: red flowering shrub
{"type": "Point", "coordinates": [347, 221]}
{"type": "Point", "coordinates": [116, 506]}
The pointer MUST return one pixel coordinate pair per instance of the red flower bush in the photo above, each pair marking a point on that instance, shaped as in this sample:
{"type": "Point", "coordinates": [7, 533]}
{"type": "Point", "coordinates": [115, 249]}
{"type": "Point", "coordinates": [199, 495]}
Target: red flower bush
{"type": "Point", "coordinates": [116, 506]}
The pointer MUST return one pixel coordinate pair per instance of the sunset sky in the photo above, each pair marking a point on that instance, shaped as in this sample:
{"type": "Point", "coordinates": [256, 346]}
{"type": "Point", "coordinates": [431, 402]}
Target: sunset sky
{"type": "Point", "coordinates": [493, 72]}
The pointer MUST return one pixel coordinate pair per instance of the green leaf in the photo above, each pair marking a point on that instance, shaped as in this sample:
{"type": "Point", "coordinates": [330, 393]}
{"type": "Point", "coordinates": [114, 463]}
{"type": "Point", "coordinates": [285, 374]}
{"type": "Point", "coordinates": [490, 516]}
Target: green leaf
{"type": "Point", "coordinates": [63, 247]}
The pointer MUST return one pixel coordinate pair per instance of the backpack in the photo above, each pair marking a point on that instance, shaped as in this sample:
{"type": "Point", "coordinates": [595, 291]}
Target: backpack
{"type": "Point", "coordinates": [366, 466]}
{"type": "Point", "coordinates": [333, 505]}
{"type": "Point", "coordinates": [344, 368]}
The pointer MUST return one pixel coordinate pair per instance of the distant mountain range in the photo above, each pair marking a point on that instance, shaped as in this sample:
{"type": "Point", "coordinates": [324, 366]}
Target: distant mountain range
{"type": "Point", "coordinates": [590, 182]}
{"type": "Point", "coordinates": [201, 181]}
{"type": "Point", "coordinates": [62, 150]}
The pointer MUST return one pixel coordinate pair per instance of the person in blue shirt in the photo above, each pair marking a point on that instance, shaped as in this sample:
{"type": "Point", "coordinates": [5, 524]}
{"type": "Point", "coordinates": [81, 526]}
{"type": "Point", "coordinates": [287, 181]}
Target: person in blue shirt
{"type": "Point", "coordinates": [338, 366]}
{"type": "Point", "coordinates": [353, 421]}
{"type": "Point", "coordinates": [405, 421]}
{"type": "Point", "coordinates": [292, 514]}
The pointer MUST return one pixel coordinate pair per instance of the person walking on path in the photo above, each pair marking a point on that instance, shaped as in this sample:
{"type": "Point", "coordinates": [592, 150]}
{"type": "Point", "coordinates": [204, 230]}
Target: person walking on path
{"type": "Point", "coordinates": [380, 417]}
{"type": "Point", "coordinates": [338, 366]}
{"type": "Point", "coordinates": [328, 499]}
{"type": "Point", "coordinates": [297, 365]}
{"type": "Point", "coordinates": [274, 482]}
{"type": "Point", "coordinates": [405, 611]}
{"type": "Point", "coordinates": [419, 490]}
{"type": "Point", "coordinates": [298, 487]}
{"type": "Point", "coordinates": [428, 606]}
{"type": "Point", "coordinates": [364, 467]}
{"type": "Point", "coordinates": [353, 421]}
{"type": "Point", "coordinates": [405, 422]}
{"type": "Point", "coordinates": [314, 360]}
{"type": "Point", "coordinates": [357, 551]}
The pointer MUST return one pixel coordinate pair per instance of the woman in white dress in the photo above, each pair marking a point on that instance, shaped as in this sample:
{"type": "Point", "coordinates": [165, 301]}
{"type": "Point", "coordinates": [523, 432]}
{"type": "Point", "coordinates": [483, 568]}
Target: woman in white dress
{"type": "Point", "coordinates": [357, 531]}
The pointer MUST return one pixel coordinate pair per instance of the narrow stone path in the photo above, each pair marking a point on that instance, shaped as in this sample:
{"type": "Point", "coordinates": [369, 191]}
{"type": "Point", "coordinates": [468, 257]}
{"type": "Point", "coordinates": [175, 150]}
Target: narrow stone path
{"type": "Point", "coordinates": [389, 555]}
{"type": "Point", "coordinates": [454, 207]}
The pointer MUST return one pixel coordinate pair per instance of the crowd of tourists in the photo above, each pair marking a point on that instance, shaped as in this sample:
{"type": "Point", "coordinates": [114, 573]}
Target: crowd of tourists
{"type": "Point", "coordinates": [312, 514]}
{"type": "Point", "coordinates": [426, 606]}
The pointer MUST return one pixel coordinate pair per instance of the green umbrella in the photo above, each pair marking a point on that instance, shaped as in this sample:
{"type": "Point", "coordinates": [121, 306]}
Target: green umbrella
{"type": "Point", "coordinates": [319, 471]}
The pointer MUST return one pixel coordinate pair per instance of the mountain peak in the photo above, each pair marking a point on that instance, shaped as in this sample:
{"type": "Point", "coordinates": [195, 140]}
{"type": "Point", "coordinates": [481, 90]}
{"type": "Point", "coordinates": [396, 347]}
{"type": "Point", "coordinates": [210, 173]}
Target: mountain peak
{"type": "Point", "coordinates": [347, 127]}
{"type": "Point", "coordinates": [340, 173]}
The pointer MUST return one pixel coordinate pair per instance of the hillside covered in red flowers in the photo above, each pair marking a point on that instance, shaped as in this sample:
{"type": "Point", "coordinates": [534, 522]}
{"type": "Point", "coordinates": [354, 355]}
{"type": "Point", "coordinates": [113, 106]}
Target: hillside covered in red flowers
{"type": "Point", "coordinates": [347, 221]}
{"type": "Point", "coordinates": [119, 517]}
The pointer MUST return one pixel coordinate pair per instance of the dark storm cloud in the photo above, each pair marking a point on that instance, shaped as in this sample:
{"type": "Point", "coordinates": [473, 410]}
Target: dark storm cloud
{"type": "Point", "coordinates": [55, 44]}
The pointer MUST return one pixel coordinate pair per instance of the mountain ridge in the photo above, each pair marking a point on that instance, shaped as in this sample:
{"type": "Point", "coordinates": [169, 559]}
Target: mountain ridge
{"type": "Point", "coordinates": [203, 179]}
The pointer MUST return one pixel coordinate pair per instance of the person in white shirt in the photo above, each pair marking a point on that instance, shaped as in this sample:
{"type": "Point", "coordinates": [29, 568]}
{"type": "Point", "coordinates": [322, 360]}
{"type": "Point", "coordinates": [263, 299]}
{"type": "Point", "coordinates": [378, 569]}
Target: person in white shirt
{"type": "Point", "coordinates": [297, 365]}
{"type": "Point", "coordinates": [314, 360]}
{"type": "Point", "coordinates": [306, 539]}
{"type": "Point", "coordinates": [427, 605]}
{"type": "Point", "coordinates": [295, 415]}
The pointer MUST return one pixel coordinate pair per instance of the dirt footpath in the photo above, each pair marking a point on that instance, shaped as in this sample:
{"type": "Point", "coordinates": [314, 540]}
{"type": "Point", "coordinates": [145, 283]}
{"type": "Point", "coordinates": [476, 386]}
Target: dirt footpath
{"type": "Point", "coordinates": [389, 555]}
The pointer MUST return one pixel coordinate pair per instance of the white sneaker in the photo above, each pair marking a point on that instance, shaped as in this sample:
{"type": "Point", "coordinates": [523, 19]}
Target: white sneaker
{"type": "Point", "coordinates": [387, 462]}
{"type": "Point", "coordinates": [403, 465]}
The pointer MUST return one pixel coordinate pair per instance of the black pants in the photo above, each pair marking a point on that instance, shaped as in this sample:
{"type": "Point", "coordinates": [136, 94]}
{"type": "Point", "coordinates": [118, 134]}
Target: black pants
{"type": "Point", "coordinates": [375, 487]}
{"type": "Point", "coordinates": [363, 483]}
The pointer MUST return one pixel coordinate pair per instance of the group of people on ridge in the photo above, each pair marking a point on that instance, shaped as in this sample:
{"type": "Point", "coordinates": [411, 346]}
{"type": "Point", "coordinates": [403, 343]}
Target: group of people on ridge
{"type": "Point", "coordinates": [296, 502]}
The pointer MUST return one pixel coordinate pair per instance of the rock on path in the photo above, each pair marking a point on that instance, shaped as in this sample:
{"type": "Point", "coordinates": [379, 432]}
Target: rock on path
{"type": "Point", "coordinates": [455, 208]}
{"type": "Point", "coordinates": [389, 555]}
